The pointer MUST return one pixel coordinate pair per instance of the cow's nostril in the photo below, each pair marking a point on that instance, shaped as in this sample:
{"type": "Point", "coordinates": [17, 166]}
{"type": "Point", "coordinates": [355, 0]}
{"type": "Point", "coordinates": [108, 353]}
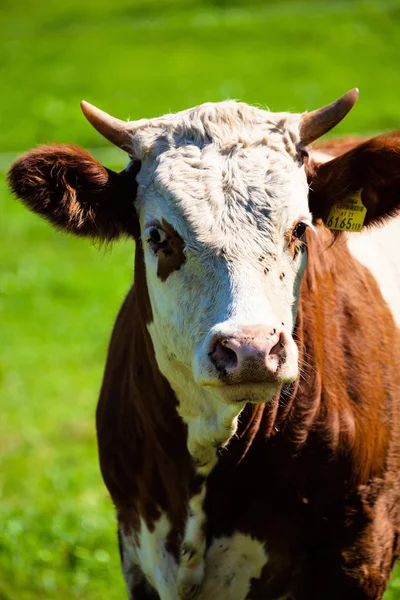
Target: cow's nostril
{"type": "Point", "coordinates": [223, 356]}
{"type": "Point", "coordinates": [279, 346]}
{"type": "Point", "coordinates": [277, 355]}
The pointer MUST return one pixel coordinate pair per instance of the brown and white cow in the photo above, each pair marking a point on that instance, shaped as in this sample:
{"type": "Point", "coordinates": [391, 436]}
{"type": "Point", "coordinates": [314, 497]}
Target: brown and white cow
{"type": "Point", "coordinates": [249, 419]}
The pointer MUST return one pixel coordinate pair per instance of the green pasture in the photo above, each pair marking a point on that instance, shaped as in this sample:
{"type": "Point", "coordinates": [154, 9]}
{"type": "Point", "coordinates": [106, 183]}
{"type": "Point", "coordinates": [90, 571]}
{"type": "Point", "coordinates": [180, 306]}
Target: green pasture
{"type": "Point", "coordinates": [58, 295]}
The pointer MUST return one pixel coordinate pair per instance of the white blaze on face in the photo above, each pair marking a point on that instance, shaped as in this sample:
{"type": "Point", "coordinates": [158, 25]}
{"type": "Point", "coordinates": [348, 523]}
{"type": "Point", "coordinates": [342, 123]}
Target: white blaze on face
{"type": "Point", "coordinates": [228, 180]}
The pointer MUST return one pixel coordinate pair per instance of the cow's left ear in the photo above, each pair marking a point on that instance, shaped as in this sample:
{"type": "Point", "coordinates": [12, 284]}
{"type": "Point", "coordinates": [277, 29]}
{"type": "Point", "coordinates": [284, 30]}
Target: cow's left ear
{"type": "Point", "coordinates": [372, 166]}
{"type": "Point", "coordinates": [77, 194]}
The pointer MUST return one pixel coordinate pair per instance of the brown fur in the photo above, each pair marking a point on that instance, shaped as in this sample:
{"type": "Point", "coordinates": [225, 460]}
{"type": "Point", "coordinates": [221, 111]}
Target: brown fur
{"type": "Point", "coordinates": [67, 186]}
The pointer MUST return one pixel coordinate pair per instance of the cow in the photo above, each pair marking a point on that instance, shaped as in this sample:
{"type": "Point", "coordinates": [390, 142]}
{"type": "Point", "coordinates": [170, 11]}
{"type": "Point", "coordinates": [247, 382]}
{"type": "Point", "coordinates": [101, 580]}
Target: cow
{"type": "Point", "coordinates": [249, 417]}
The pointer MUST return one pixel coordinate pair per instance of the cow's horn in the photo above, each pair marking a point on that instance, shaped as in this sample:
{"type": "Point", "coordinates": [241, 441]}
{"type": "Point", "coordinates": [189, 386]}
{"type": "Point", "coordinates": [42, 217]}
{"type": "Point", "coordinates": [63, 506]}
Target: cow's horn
{"type": "Point", "coordinates": [114, 130]}
{"type": "Point", "coordinates": [318, 122]}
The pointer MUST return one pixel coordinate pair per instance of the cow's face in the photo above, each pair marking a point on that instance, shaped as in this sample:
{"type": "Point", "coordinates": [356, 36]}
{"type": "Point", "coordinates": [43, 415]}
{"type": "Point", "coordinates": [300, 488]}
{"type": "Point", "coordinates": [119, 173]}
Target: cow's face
{"type": "Point", "coordinates": [223, 209]}
{"type": "Point", "coordinates": [219, 196]}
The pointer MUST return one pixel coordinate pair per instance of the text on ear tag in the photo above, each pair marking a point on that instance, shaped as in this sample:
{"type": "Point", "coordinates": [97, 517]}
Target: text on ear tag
{"type": "Point", "coordinates": [348, 215]}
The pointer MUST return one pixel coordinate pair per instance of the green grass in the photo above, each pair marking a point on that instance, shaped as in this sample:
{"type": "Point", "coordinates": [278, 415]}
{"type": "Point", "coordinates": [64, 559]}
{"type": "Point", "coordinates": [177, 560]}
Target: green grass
{"type": "Point", "coordinates": [59, 296]}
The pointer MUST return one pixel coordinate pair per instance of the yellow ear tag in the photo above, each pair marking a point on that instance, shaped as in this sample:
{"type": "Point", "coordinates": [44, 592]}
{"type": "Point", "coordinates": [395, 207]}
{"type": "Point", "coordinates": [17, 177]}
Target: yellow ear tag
{"type": "Point", "coordinates": [347, 215]}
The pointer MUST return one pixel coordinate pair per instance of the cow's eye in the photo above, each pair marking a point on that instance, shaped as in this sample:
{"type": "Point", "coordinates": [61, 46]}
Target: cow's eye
{"type": "Point", "coordinates": [299, 230]}
{"type": "Point", "coordinates": [155, 238]}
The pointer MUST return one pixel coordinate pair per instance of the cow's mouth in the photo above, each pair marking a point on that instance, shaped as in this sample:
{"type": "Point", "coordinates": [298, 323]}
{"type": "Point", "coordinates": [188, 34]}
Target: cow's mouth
{"type": "Point", "coordinates": [241, 393]}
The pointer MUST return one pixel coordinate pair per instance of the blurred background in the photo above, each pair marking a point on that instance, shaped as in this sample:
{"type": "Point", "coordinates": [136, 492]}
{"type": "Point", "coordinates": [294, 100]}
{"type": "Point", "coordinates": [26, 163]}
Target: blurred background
{"type": "Point", "coordinates": [59, 295]}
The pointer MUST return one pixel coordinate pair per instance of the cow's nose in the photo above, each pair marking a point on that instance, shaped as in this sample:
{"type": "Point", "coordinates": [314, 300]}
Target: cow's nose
{"type": "Point", "coordinates": [251, 354]}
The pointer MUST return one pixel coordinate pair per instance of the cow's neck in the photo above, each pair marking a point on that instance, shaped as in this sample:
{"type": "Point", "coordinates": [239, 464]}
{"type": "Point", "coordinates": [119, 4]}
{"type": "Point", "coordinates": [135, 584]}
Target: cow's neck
{"type": "Point", "coordinates": [210, 424]}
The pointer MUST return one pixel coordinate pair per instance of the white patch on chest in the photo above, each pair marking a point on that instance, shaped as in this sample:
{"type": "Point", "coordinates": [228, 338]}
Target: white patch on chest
{"type": "Point", "coordinates": [231, 564]}
{"type": "Point", "coordinates": [376, 249]}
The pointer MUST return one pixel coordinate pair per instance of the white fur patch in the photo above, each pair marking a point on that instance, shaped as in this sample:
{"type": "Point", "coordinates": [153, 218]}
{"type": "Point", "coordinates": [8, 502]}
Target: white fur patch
{"type": "Point", "coordinates": [191, 567]}
{"type": "Point", "coordinates": [376, 250]}
{"type": "Point", "coordinates": [129, 563]}
{"type": "Point", "coordinates": [231, 564]}
{"type": "Point", "coordinates": [157, 564]}
{"type": "Point", "coordinates": [226, 571]}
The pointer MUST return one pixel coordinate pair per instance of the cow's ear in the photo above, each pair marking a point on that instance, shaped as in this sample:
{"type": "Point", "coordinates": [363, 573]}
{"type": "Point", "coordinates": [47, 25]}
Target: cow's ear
{"type": "Point", "coordinates": [372, 166]}
{"type": "Point", "coordinates": [71, 189]}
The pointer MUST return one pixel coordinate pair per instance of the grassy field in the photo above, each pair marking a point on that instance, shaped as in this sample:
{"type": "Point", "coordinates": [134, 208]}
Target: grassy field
{"type": "Point", "coordinates": [59, 296]}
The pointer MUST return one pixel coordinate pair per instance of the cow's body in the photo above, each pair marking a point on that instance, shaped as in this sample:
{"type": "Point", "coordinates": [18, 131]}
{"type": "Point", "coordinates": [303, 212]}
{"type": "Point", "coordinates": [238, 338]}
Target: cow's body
{"type": "Point", "coordinates": [304, 501]}
{"type": "Point", "coordinates": [249, 418]}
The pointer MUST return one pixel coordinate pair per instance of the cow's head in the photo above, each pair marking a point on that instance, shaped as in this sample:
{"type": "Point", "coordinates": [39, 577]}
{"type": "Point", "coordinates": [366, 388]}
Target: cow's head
{"type": "Point", "coordinates": [217, 198]}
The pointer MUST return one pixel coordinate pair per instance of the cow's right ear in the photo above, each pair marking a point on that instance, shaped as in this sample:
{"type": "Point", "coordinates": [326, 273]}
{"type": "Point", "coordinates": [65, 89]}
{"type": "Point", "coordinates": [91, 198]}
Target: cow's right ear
{"type": "Point", "coordinates": [371, 167]}
{"type": "Point", "coordinates": [71, 189]}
